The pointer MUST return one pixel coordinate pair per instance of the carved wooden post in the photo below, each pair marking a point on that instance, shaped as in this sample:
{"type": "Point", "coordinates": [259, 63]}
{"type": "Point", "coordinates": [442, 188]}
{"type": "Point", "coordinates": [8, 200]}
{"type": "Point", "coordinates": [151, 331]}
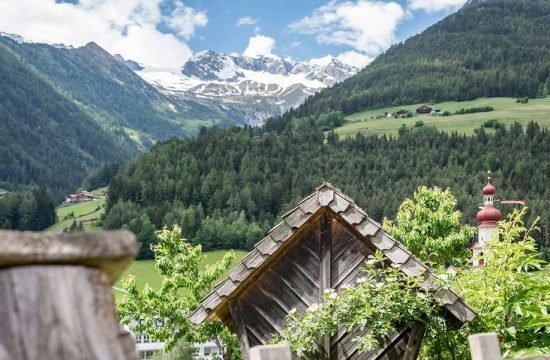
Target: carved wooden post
{"type": "Point", "coordinates": [484, 347]}
{"type": "Point", "coordinates": [270, 352]}
{"type": "Point", "coordinates": [55, 295]}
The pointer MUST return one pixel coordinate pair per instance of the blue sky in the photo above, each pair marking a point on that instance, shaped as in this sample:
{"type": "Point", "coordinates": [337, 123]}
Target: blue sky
{"type": "Point", "coordinates": [165, 33]}
{"type": "Point", "coordinates": [273, 18]}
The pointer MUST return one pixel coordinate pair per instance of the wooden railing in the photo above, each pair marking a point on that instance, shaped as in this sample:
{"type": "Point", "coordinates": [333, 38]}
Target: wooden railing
{"type": "Point", "coordinates": [55, 295]}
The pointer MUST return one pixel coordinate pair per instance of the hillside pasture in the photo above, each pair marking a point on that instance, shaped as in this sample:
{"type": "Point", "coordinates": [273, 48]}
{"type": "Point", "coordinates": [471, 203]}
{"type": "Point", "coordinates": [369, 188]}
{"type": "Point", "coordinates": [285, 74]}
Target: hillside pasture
{"type": "Point", "coordinates": [85, 212]}
{"type": "Point", "coordinates": [507, 111]}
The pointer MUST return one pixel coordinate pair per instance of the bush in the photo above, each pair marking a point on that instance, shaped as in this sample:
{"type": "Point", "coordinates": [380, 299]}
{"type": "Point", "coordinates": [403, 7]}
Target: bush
{"type": "Point", "coordinates": [474, 110]}
{"type": "Point", "coordinates": [446, 113]}
{"type": "Point", "coordinates": [419, 123]}
{"type": "Point", "coordinates": [524, 100]}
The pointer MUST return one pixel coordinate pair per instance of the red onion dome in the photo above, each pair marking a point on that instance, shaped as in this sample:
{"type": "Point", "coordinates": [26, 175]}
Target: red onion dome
{"type": "Point", "coordinates": [488, 214]}
{"type": "Point", "coordinates": [489, 189]}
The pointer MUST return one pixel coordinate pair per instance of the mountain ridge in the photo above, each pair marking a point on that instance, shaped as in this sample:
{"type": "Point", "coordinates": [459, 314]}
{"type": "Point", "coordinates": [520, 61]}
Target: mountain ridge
{"type": "Point", "coordinates": [486, 49]}
{"type": "Point", "coordinates": [252, 87]}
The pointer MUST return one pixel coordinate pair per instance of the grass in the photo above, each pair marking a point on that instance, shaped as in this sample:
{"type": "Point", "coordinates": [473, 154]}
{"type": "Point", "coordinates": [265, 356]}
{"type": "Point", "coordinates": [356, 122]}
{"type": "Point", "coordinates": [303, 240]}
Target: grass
{"type": "Point", "coordinates": [86, 212]}
{"type": "Point", "coordinates": [145, 272]}
{"type": "Point", "coordinates": [507, 111]}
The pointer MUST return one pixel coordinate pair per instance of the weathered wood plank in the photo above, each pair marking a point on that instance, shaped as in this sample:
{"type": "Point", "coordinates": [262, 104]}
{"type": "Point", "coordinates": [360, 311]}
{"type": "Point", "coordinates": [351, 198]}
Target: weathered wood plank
{"type": "Point", "coordinates": [59, 312]}
{"type": "Point", "coordinates": [110, 251]}
{"type": "Point", "coordinates": [242, 335]}
{"type": "Point", "coordinates": [325, 254]}
{"type": "Point", "coordinates": [347, 263]}
{"type": "Point", "coordinates": [415, 340]}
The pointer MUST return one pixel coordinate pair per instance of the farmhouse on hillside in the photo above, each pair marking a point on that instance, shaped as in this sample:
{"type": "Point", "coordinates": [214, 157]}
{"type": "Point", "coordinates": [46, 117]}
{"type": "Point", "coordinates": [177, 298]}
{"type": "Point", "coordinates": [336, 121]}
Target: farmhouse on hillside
{"type": "Point", "coordinates": [81, 197]}
{"type": "Point", "coordinates": [321, 244]}
{"type": "Point", "coordinates": [424, 109]}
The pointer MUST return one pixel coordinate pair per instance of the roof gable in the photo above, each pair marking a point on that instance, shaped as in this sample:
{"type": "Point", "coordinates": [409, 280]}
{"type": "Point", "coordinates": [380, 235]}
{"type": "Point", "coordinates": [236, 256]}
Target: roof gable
{"type": "Point", "coordinates": [326, 197]}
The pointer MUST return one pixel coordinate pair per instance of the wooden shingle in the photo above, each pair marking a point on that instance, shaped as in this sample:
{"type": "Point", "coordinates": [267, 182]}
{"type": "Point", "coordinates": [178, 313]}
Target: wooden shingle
{"type": "Point", "coordinates": [352, 216]}
{"type": "Point", "coordinates": [296, 218]}
{"type": "Point", "coordinates": [339, 204]}
{"type": "Point", "coordinates": [367, 227]}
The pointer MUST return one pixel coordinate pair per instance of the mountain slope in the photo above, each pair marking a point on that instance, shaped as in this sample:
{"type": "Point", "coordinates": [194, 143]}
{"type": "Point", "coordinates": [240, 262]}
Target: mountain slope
{"type": "Point", "coordinates": [45, 138]}
{"type": "Point", "coordinates": [65, 110]}
{"type": "Point", "coordinates": [105, 87]}
{"type": "Point", "coordinates": [246, 90]}
{"type": "Point", "coordinates": [488, 48]}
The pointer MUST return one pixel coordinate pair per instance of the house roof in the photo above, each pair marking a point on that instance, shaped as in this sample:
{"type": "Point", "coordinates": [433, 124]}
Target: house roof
{"type": "Point", "coordinates": [327, 196]}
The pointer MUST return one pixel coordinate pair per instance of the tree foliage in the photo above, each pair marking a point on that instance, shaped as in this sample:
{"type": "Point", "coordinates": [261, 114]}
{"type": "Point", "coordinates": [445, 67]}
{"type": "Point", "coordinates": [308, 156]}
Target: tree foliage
{"type": "Point", "coordinates": [184, 282]}
{"type": "Point", "coordinates": [430, 226]}
{"type": "Point", "coordinates": [32, 210]}
{"type": "Point", "coordinates": [511, 292]}
{"type": "Point", "coordinates": [510, 295]}
{"type": "Point", "coordinates": [226, 186]}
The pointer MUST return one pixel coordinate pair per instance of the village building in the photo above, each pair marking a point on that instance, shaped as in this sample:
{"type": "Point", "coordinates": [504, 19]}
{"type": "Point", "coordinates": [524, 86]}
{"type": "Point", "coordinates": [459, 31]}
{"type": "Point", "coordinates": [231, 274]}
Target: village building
{"type": "Point", "coordinates": [321, 244]}
{"type": "Point", "coordinates": [3, 194]}
{"type": "Point", "coordinates": [424, 109]}
{"type": "Point", "coordinates": [487, 217]}
{"type": "Point", "coordinates": [81, 197]}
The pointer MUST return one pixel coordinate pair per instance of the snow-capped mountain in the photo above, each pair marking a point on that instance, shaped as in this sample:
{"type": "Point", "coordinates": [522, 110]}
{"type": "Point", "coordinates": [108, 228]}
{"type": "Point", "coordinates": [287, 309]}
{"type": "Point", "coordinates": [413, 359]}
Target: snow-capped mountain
{"type": "Point", "coordinates": [247, 89]}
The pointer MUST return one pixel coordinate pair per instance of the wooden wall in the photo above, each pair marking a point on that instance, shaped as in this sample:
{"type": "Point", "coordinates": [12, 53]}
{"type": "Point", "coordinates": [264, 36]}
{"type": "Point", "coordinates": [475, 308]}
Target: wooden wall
{"type": "Point", "coordinates": [327, 254]}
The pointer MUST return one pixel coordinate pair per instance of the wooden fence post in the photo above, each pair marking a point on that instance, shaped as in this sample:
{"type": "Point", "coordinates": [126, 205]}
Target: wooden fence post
{"type": "Point", "coordinates": [56, 300]}
{"type": "Point", "coordinates": [270, 352]}
{"type": "Point", "coordinates": [484, 347]}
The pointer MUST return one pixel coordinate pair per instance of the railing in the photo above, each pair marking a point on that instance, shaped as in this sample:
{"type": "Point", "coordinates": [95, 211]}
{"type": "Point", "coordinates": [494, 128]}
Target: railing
{"type": "Point", "coordinates": [55, 295]}
{"type": "Point", "coordinates": [486, 347]}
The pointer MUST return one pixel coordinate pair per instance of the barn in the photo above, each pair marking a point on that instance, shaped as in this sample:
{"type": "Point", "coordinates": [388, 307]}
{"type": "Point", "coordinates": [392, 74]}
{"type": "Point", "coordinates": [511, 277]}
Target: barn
{"type": "Point", "coordinates": [320, 244]}
{"type": "Point", "coordinates": [424, 110]}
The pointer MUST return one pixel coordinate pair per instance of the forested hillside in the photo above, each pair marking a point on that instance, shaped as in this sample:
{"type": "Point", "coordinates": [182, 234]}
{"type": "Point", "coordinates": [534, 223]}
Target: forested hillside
{"type": "Point", "coordinates": [487, 49]}
{"type": "Point", "coordinates": [225, 187]}
{"type": "Point", "coordinates": [64, 111]}
{"type": "Point", "coordinates": [45, 139]}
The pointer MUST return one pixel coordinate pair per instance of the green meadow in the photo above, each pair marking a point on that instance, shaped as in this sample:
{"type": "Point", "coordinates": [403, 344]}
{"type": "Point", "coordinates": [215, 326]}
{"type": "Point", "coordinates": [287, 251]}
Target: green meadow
{"type": "Point", "coordinates": [145, 272]}
{"type": "Point", "coordinates": [507, 111]}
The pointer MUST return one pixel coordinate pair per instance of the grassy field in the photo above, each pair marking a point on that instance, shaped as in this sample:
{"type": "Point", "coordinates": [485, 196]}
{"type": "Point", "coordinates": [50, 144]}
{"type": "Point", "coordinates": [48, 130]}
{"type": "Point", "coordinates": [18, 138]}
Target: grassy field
{"type": "Point", "coordinates": [145, 272]}
{"type": "Point", "coordinates": [507, 111]}
{"type": "Point", "coordinates": [86, 212]}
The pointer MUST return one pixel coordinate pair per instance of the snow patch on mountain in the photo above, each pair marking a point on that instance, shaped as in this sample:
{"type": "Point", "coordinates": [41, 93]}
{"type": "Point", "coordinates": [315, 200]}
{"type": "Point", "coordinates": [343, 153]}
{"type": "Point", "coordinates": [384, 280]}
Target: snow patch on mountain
{"type": "Point", "coordinates": [252, 87]}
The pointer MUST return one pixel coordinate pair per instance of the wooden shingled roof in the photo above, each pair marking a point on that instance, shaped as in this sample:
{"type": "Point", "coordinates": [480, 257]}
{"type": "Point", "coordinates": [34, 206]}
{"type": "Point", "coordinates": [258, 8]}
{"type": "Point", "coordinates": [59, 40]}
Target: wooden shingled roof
{"type": "Point", "coordinates": [325, 197]}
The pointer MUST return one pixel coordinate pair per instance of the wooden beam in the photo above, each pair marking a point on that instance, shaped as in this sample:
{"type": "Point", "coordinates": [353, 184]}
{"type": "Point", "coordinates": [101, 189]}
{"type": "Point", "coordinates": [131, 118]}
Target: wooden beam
{"type": "Point", "coordinates": [325, 255]}
{"type": "Point", "coordinates": [240, 327]}
{"type": "Point", "coordinates": [415, 340]}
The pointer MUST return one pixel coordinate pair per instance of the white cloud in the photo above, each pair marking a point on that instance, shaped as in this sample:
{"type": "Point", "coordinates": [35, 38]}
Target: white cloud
{"type": "Point", "coordinates": [246, 20]}
{"type": "Point", "coordinates": [185, 19]}
{"type": "Point", "coordinates": [435, 5]}
{"type": "Point", "coordinates": [353, 58]}
{"type": "Point", "coordinates": [127, 27]}
{"type": "Point", "coordinates": [366, 26]}
{"type": "Point", "coordinates": [259, 45]}
{"type": "Point", "coordinates": [295, 44]}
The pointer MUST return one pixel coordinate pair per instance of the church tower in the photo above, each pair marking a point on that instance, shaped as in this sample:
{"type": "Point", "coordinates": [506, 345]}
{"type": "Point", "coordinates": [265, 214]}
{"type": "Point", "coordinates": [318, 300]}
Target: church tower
{"type": "Point", "coordinates": [487, 218]}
